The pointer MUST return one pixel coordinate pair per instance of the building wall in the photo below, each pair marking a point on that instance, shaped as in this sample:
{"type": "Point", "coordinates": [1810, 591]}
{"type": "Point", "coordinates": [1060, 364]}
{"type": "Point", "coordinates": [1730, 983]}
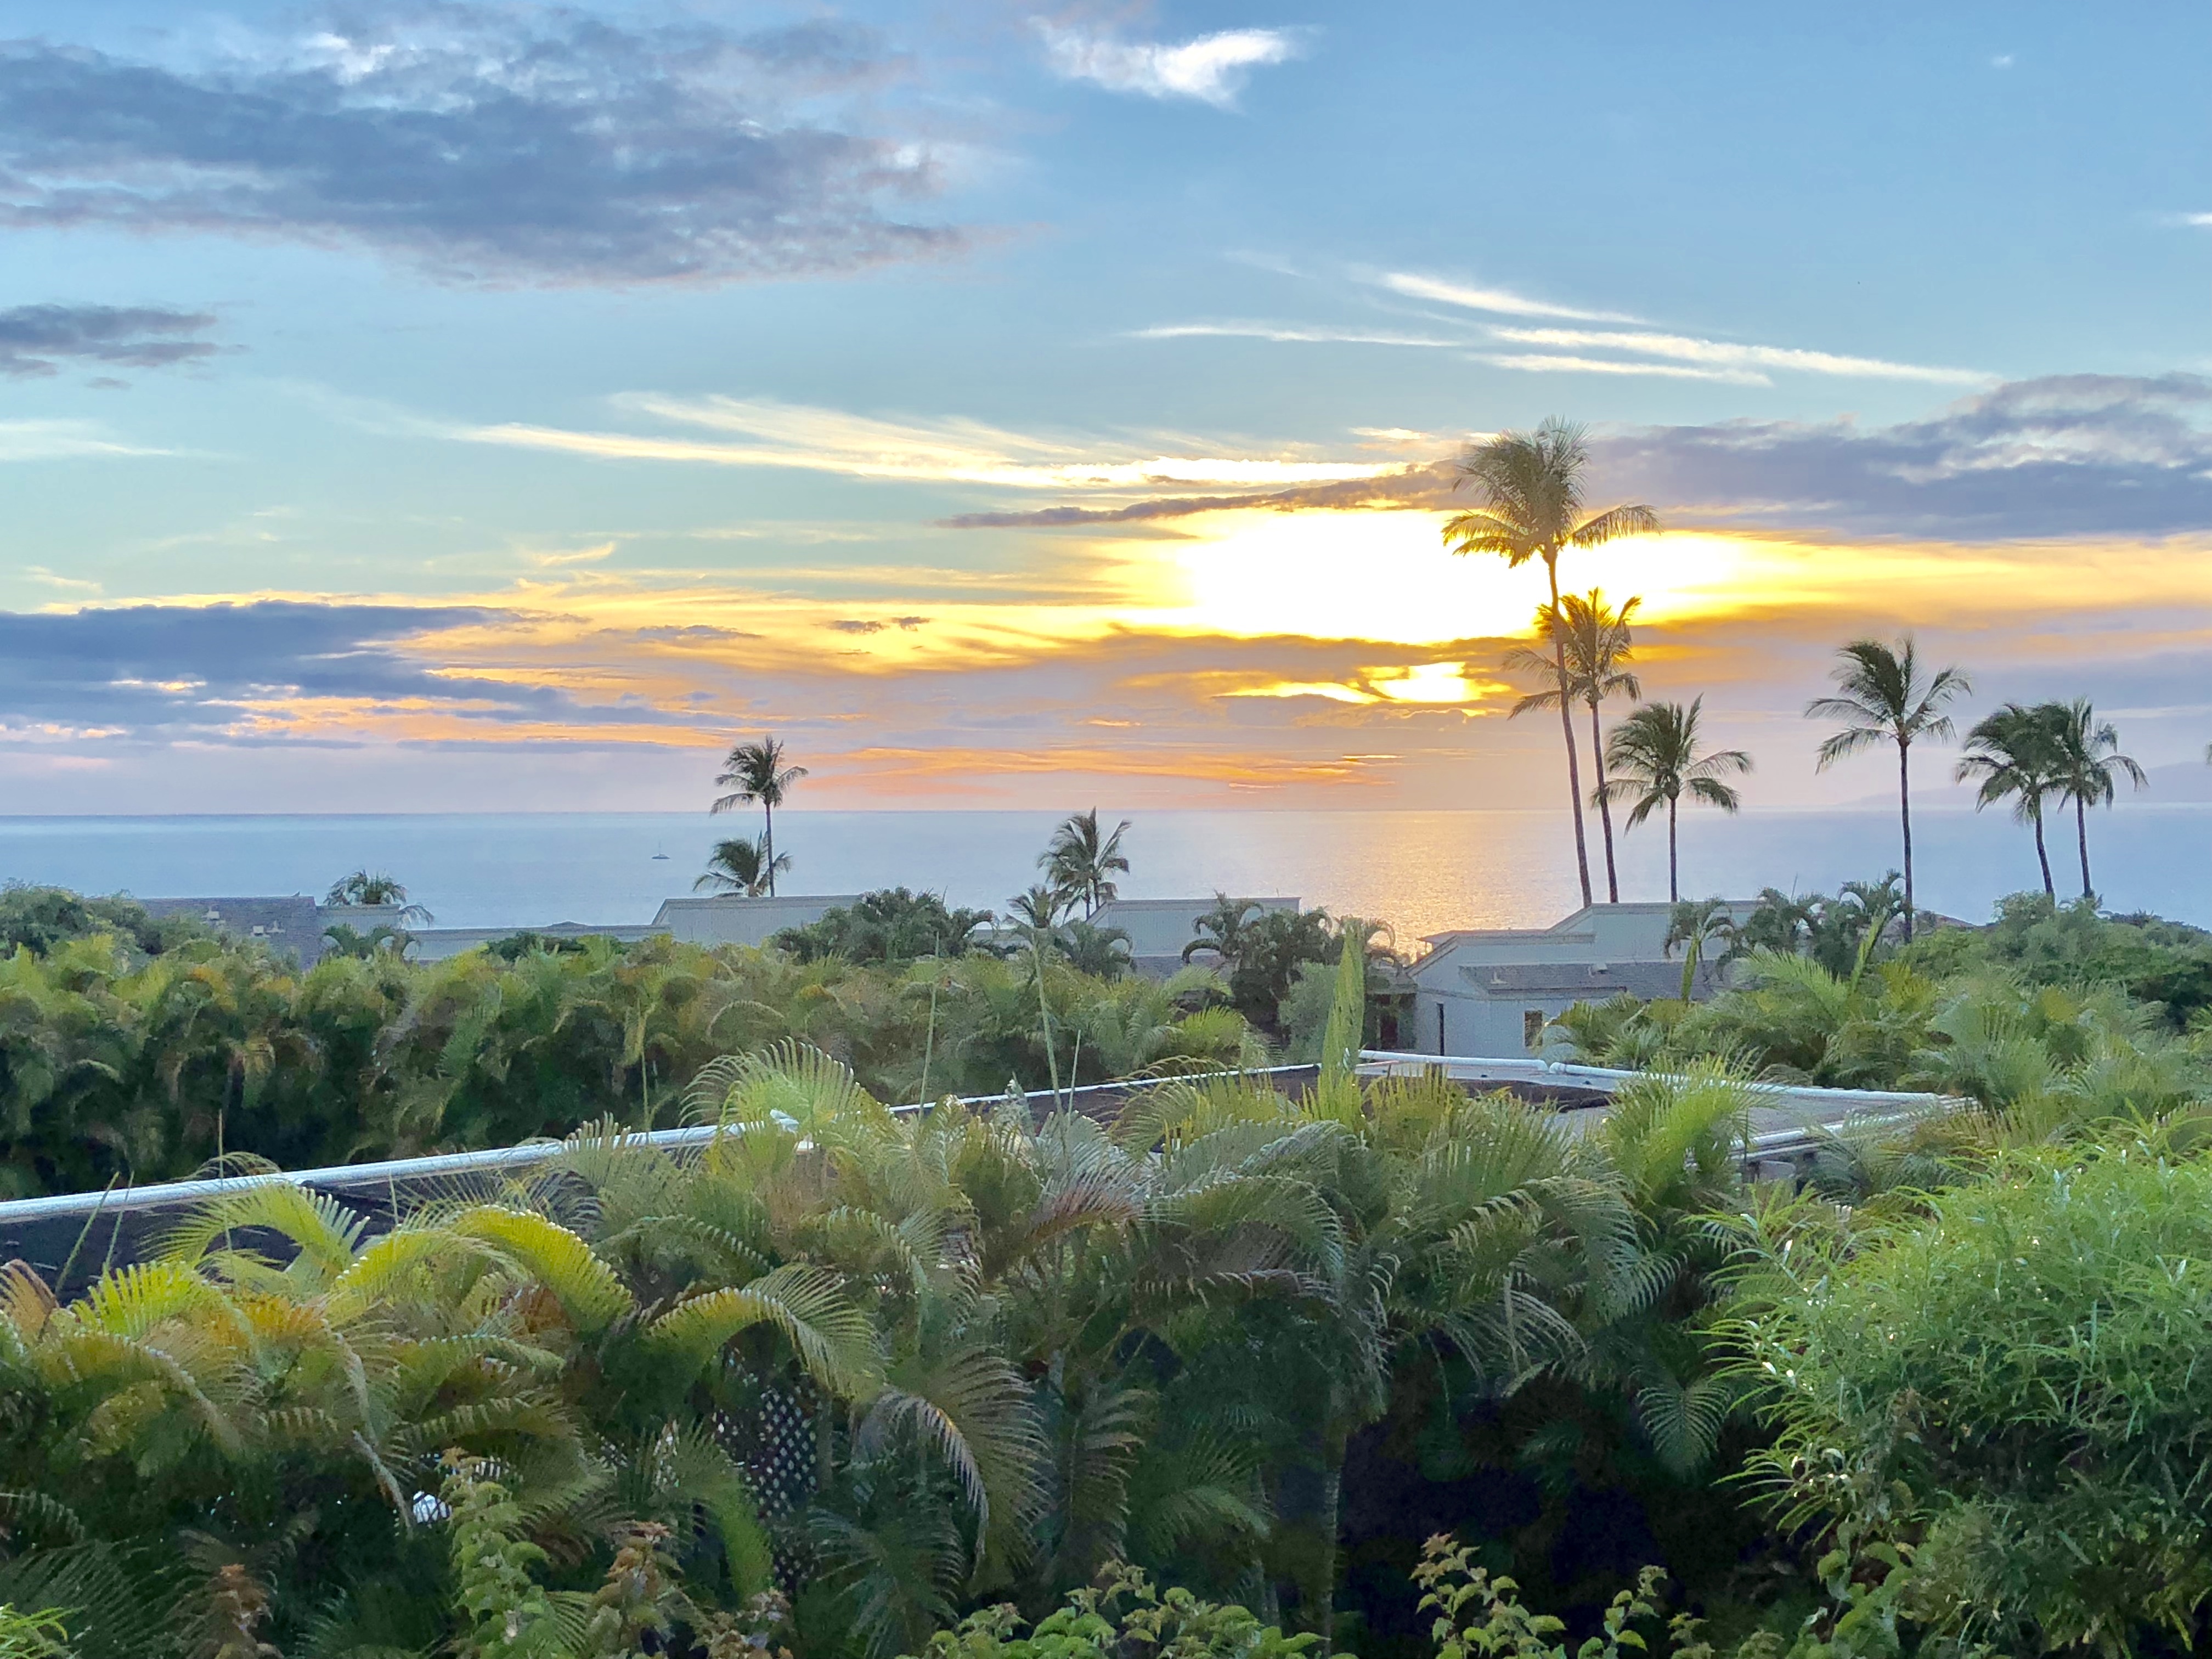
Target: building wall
{"type": "Point", "coordinates": [733, 920]}
{"type": "Point", "coordinates": [1490, 1028]}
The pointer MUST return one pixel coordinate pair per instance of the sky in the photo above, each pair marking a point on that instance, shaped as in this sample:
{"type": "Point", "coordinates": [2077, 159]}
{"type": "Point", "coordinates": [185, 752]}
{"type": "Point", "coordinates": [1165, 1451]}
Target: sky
{"type": "Point", "coordinates": [466, 407]}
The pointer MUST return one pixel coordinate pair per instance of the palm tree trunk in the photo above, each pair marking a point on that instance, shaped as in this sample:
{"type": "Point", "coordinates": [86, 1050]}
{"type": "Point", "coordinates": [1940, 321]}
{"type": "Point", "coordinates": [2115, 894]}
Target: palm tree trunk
{"type": "Point", "coordinates": [1604, 808]}
{"type": "Point", "coordinates": [1673, 881]}
{"type": "Point", "coordinates": [1331, 1506]}
{"type": "Point", "coordinates": [2081, 829]}
{"type": "Point", "coordinates": [1567, 726]}
{"type": "Point", "coordinates": [767, 844]}
{"type": "Point", "coordinates": [2043, 858]}
{"type": "Point", "coordinates": [1904, 816]}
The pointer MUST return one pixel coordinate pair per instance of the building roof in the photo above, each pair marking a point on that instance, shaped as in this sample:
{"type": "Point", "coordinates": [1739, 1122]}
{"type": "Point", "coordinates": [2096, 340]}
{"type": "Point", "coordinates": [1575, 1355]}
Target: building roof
{"type": "Point", "coordinates": [293, 923]}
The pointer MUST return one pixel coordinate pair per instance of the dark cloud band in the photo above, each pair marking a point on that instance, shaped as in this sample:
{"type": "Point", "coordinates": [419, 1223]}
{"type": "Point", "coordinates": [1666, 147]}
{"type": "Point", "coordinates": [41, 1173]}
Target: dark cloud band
{"type": "Point", "coordinates": [2070, 455]}
{"type": "Point", "coordinates": [167, 672]}
{"type": "Point", "coordinates": [39, 339]}
{"type": "Point", "coordinates": [483, 145]}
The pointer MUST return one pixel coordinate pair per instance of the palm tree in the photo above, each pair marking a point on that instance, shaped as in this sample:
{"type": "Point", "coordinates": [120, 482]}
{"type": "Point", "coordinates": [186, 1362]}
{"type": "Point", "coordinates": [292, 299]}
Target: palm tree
{"type": "Point", "coordinates": [1082, 862]}
{"type": "Point", "coordinates": [756, 772]}
{"type": "Point", "coordinates": [2014, 752]}
{"type": "Point", "coordinates": [1225, 929]}
{"type": "Point", "coordinates": [1695, 924]}
{"type": "Point", "coordinates": [1530, 484]}
{"type": "Point", "coordinates": [741, 866]}
{"type": "Point", "coordinates": [1884, 697]}
{"type": "Point", "coordinates": [2088, 759]}
{"type": "Point", "coordinates": [1596, 641]}
{"type": "Point", "coordinates": [1655, 753]}
{"type": "Point", "coordinates": [373, 891]}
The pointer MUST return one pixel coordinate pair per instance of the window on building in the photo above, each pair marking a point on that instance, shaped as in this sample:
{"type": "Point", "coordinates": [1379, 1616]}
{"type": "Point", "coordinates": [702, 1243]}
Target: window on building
{"type": "Point", "coordinates": [1532, 1022]}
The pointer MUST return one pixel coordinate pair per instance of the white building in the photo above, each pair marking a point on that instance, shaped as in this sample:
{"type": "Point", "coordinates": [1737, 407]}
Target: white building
{"type": "Point", "coordinates": [1491, 991]}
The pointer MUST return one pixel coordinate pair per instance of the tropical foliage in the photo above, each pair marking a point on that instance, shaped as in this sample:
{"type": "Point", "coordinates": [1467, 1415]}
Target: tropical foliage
{"type": "Point", "coordinates": [844, 1383]}
{"type": "Point", "coordinates": [131, 1051]}
{"type": "Point", "coordinates": [895, 1367]}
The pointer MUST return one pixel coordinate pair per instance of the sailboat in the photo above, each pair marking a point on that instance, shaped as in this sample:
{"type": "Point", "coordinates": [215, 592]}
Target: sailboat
{"type": "Point", "coordinates": [660, 855]}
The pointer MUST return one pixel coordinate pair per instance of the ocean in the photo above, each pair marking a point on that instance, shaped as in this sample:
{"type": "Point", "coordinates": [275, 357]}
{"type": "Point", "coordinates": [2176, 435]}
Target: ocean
{"type": "Point", "coordinates": [1422, 871]}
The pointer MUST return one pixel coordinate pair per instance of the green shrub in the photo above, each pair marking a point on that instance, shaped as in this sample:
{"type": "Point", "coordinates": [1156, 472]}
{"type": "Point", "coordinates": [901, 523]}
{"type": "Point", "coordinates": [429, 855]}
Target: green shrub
{"type": "Point", "coordinates": [1123, 1617]}
{"type": "Point", "coordinates": [2011, 1386]}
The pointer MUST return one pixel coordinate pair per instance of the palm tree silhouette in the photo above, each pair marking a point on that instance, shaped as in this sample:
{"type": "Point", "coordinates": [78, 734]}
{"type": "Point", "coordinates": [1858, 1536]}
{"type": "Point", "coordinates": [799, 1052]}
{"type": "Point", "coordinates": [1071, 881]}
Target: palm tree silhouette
{"type": "Point", "coordinates": [741, 865]}
{"type": "Point", "coordinates": [2014, 752]}
{"type": "Point", "coordinates": [756, 772]}
{"type": "Point", "coordinates": [1082, 862]}
{"type": "Point", "coordinates": [2088, 759]}
{"type": "Point", "coordinates": [1596, 641]}
{"type": "Point", "coordinates": [1530, 485]}
{"type": "Point", "coordinates": [1884, 697]}
{"type": "Point", "coordinates": [1655, 759]}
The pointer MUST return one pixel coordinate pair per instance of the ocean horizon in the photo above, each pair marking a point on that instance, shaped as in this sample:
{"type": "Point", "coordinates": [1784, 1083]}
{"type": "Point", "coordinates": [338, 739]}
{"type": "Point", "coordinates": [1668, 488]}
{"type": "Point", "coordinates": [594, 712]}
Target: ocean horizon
{"type": "Point", "coordinates": [1422, 871]}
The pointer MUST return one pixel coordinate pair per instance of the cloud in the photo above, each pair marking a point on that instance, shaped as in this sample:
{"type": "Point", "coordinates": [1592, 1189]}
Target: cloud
{"type": "Point", "coordinates": [2068, 455]}
{"type": "Point", "coordinates": [1741, 360]}
{"type": "Point", "coordinates": [1704, 359]}
{"type": "Point", "coordinates": [2199, 220]}
{"type": "Point", "coordinates": [482, 143]}
{"type": "Point", "coordinates": [1211, 69]}
{"type": "Point", "coordinates": [35, 339]}
{"type": "Point", "coordinates": [62, 439]}
{"type": "Point", "coordinates": [948, 450]}
{"type": "Point", "coordinates": [1495, 299]}
{"type": "Point", "coordinates": [1287, 332]}
{"type": "Point", "coordinates": [1546, 363]}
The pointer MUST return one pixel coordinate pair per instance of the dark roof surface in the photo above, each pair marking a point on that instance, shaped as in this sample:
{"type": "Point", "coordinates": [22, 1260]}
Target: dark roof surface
{"type": "Point", "coordinates": [292, 924]}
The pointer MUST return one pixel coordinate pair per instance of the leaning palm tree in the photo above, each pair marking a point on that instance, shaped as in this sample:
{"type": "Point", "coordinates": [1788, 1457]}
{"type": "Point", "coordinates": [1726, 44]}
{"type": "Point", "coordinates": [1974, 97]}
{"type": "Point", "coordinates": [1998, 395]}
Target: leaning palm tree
{"type": "Point", "coordinates": [2089, 765]}
{"type": "Point", "coordinates": [1530, 485]}
{"type": "Point", "coordinates": [1654, 758]}
{"type": "Point", "coordinates": [1596, 641]}
{"type": "Point", "coordinates": [741, 864]}
{"type": "Point", "coordinates": [756, 772]}
{"type": "Point", "coordinates": [2013, 754]}
{"type": "Point", "coordinates": [1083, 861]}
{"type": "Point", "coordinates": [1886, 698]}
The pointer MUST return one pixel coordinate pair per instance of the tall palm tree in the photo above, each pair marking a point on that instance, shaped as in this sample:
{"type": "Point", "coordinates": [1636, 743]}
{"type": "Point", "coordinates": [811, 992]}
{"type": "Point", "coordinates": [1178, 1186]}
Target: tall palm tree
{"type": "Point", "coordinates": [1596, 641]}
{"type": "Point", "coordinates": [1530, 486]}
{"type": "Point", "coordinates": [741, 866]}
{"type": "Point", "coordinates": [756, 772]}
{"type": "Point", "coordinates": [1885, 697]}
{"type": "Point", "coordinates": [1083, 861]}
{"type": "Point", "coordinates": [2089, 765]}
{"type": "Point", "coordinates": [1654, 755]}
{"type": "Point", "coordinates": [2013, 752]}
